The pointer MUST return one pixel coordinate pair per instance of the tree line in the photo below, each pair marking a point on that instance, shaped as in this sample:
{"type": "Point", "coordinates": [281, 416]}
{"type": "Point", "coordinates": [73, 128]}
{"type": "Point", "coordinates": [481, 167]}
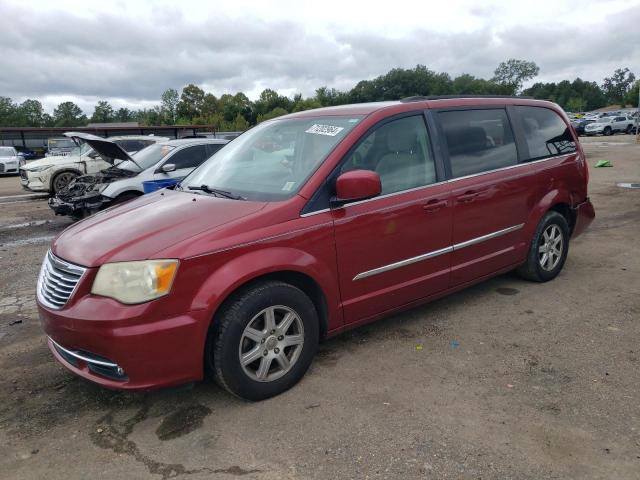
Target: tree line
{"type": "Point", "coordinates": [237, 112]}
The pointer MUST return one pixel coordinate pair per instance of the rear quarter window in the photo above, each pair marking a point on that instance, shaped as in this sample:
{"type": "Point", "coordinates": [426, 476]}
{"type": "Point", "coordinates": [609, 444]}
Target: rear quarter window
{"type": "Point", "coordinates": [478, 140]}
{"type": "Point", "coordinates": [545, 133]}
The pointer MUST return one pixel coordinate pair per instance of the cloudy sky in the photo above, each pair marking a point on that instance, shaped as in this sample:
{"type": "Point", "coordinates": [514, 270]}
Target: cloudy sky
{"type": "Point", "coordinates": [129, 52]}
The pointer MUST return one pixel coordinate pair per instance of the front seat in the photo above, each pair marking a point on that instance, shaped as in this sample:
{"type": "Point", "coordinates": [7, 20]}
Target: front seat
{"type": "Point", "coordinates": [402, 167]}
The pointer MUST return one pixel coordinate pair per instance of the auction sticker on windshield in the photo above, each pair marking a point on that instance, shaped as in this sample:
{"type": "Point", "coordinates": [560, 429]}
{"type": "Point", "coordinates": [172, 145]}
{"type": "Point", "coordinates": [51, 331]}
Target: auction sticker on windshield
{"type": "Point", "coordinates": [329, 130]}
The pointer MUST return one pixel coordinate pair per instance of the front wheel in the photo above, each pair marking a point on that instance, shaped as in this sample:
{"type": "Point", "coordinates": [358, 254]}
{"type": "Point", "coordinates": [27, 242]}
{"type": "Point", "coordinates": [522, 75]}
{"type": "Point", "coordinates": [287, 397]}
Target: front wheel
{"type": "Point", "coordinates": [263, 341]}
{"type": "Point", "coordinates": [608, 131]}
{"type": "Point", "coordinates": [548, 250]}
{"type": "Point", "coordinates": [62, 180]}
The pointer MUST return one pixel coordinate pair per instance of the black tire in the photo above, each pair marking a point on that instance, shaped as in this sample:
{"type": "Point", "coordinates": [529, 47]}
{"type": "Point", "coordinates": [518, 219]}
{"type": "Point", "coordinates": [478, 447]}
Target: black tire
{"type": "Point", "coordinates": [533, 269]}
{"type": "Point", "coordinates": [224, 347]}
{"type": "Point", "coordinates": [629, 129]}
{"type": "Point", "coordinates": [62, 180]}
{"type": "Point", "coordinates": [607, 131]}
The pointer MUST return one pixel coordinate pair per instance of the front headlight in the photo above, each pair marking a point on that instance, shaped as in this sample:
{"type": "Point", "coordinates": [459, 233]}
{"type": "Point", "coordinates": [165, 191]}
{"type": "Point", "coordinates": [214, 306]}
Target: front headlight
{"type": "Point", "coordinates": [135, 282]}
{"type": "Point", "coordinates": [38, 169]}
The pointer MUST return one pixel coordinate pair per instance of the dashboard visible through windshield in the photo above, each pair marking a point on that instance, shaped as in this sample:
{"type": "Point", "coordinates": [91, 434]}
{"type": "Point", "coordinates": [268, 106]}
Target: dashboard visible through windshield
{"type": "Point", "coordinates": [273, 160]}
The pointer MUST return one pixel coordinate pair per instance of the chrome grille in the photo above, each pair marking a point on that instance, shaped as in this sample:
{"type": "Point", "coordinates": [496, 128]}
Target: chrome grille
{"type": "Point", "coordinates": [57, 281]}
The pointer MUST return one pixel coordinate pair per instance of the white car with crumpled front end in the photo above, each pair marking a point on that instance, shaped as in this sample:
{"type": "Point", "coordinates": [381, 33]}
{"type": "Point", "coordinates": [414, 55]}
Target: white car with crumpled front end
{"type": "Point", "coordinates": [52, 174]}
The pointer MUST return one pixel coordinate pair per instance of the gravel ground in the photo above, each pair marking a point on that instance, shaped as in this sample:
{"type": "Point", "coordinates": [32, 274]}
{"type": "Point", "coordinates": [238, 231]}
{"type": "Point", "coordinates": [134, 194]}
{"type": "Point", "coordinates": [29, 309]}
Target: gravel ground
{"type": "Point", "coordinates": [507, 379]}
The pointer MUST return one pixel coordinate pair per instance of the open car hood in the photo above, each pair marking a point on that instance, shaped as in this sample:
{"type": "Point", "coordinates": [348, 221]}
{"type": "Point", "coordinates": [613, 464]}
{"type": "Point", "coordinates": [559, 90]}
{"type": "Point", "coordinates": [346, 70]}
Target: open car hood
{"type": "Point", "coordinates": [107, 149]}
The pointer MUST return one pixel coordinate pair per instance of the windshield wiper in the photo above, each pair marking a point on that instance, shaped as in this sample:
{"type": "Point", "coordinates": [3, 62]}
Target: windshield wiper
{"type": "Point", "coordinates": [216, 192]}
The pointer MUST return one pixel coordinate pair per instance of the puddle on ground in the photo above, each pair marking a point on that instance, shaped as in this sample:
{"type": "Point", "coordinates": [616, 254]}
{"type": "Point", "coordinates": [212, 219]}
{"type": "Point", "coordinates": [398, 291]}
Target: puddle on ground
{"type": "Point", "coordinates": [182, 421]}
{"type": "Point", "coordinates": [507, 291]}
{"type": "Point", "coordinates": [28, 241]}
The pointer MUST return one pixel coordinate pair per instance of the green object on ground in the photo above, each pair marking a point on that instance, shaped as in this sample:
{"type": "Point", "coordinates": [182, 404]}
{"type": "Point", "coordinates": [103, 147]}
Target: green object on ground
{"type": "Point", "coordinates": [603, 163]}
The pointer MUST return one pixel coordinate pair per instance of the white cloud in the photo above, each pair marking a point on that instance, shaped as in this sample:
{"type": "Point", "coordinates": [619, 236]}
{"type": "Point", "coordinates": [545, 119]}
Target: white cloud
{"type": "Point", "coordinates": [129, 52]}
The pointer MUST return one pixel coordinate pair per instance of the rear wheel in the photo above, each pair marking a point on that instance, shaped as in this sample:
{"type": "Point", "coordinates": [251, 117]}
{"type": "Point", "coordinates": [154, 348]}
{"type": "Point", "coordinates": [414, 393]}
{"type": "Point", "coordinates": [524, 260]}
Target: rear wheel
{"type": "Point", "coordinates": [548, 250]}
{"type": "Point", "coordinates": [263, 341]}
{"type": "Point", "coordinates": [62, 180]}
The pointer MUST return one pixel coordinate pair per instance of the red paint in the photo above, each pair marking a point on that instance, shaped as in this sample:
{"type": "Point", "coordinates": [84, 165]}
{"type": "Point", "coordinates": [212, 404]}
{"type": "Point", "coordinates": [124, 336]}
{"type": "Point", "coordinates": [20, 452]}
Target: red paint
{"type": "Point", "coordinates": [223, 244]}
{"type": "Point", "coordinates": [357, 185]}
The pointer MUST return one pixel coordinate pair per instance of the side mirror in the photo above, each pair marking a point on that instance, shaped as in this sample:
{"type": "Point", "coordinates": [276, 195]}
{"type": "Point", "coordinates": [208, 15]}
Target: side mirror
{"type": "Point", "coordinates": [357, 185]}
{"type": "Point", "coordinates": [168, 167]}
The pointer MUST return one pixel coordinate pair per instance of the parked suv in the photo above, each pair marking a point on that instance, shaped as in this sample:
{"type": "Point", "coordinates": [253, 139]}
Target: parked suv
{"type": "Point", "coordinates": [609, 125]}
{"type": "Point", "coordinates": [53, 173]}
{"type": "Point", "coordinates": [308, 225]}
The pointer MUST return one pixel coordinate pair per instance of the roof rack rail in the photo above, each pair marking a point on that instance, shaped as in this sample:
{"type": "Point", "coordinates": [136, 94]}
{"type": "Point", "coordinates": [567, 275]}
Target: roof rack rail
{"type": "Point", "coordinates": [421, 98]}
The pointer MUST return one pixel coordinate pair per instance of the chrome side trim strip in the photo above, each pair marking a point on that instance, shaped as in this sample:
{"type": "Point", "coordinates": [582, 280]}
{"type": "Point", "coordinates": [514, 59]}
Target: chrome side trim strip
{"type": "Point", "coordinates": [402, 263]}
{"type": "Point", "coordinates": [82, 357]}
{"type": "Point", "coordinates": [324, 210]}
{"type": "Point", "coordinates": [436, 253]}
{"type": "Point", "coordinates": [486, 237]}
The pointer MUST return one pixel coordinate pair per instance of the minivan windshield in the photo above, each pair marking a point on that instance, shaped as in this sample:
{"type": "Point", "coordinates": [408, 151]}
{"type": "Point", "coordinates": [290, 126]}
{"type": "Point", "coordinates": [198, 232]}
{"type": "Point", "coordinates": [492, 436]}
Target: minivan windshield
{"type": "Point", "coordinates": [272, 160]}
{"type": "Point", "coordinates": [146, 158]}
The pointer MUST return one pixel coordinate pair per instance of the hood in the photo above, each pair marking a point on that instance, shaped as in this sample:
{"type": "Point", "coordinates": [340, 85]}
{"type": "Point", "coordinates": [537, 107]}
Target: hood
{"type": "Point", "coordinates": [51, 161]}
{"type": "Point", "coordinates": [139, 229]}
{"type": "Point", "coordinates": [107, 149]}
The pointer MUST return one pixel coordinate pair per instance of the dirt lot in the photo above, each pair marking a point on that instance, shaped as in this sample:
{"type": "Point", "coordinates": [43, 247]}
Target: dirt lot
{"type": "Point", "coordinates": [507, 379]}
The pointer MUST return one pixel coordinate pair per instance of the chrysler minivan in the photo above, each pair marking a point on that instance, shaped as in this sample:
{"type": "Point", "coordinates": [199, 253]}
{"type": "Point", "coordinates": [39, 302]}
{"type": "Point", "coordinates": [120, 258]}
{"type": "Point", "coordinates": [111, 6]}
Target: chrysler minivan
{"type": "Point", "coordinates": [308, 225]}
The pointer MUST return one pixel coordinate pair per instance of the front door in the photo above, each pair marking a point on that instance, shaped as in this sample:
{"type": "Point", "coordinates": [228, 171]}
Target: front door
{"type": "Point", "coordinates": [395, 248]}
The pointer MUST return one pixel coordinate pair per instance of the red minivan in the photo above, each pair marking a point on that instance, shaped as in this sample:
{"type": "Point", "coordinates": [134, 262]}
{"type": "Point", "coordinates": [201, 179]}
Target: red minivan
{"type": "Point", "coordinates": [308, 225]}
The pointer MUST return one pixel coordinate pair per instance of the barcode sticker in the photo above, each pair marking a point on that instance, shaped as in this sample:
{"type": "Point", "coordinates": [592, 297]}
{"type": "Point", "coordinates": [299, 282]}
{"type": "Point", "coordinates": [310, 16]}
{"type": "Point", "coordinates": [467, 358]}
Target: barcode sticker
{"type": "Point", "coordinates": [329, 130]}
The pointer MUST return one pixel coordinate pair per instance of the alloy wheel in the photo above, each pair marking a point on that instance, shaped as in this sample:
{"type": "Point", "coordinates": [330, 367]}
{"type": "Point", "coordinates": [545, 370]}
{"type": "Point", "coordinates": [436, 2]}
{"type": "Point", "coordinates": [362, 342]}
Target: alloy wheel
{"type": "Point", "coordinates": [550, 247]}
{"type": "Point", "coordinates": [271, 343]}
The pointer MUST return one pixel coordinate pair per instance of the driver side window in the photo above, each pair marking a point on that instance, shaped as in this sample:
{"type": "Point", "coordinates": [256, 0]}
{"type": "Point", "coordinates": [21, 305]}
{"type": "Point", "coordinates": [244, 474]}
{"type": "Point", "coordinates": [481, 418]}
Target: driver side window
{"type": "Point", "coordinates": [399, 152]}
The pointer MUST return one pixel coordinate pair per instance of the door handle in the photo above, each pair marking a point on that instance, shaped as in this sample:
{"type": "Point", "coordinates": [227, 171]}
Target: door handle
{"type": "Point", "coordinates": [468, 196]}
{"type": "Point", "coordinates": [434, 205]}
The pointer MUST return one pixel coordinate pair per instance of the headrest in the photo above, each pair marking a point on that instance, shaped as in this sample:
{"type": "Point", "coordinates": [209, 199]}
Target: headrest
{"type": "Point", "coordinates": [400, 138]}
{"type": "Point", "coordinates": [466, 139]}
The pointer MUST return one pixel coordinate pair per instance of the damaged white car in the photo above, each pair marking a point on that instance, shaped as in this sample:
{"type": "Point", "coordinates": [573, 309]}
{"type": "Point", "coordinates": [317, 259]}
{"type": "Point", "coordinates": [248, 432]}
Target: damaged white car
{"type": "Point", "coordinates": [165, 162]}
{"type": "Point", "coordinates": [52, 174]}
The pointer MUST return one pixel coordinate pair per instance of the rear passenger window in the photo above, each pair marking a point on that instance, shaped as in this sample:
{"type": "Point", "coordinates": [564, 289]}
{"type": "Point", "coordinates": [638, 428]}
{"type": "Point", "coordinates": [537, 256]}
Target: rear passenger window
{"type": "Point", "coordinates": [399, 152]}
{"type": "Point", "coordinates": [545, 132]}
{"type": "Point", "coordinates": [478, 140]}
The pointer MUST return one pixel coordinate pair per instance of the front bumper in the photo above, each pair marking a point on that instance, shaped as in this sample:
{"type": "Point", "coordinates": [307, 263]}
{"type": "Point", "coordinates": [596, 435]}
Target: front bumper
{"type": "Point", "coordinates": [127, 347]}
{"type": "Point", "coordinates": [79, 207]}
{"type": "Point", "coordinates": [584, 213]}
{"type": "Point", "coordinates": [8, 168]}
{"type": "Point", "coordinates": [32, 183]}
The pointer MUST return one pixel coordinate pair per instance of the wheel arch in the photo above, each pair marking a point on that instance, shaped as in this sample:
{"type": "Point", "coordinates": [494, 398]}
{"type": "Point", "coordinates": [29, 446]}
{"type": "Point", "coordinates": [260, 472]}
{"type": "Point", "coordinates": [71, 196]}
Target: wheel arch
{"type": "Point", "coordinates": [55, 174]}
{"type": "Point", "coordinates": [300, 280]}
{"type": "Point", "coordinates": [555, 200]}
{"type": "Point", "coordinates": [289, 265]}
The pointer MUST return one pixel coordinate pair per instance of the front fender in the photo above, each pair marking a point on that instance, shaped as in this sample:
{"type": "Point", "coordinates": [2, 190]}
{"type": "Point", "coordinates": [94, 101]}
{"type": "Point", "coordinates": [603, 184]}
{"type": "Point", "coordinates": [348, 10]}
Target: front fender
{"type": "Point", "coordinates": [236, 272]}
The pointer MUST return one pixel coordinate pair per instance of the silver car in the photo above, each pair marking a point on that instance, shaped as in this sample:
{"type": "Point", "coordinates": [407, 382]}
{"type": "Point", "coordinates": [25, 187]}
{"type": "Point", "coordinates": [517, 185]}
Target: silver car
{"type": "Point", "coordinates": [9, 160]}
{"type": "Point", "coordinates": [123, 180]}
